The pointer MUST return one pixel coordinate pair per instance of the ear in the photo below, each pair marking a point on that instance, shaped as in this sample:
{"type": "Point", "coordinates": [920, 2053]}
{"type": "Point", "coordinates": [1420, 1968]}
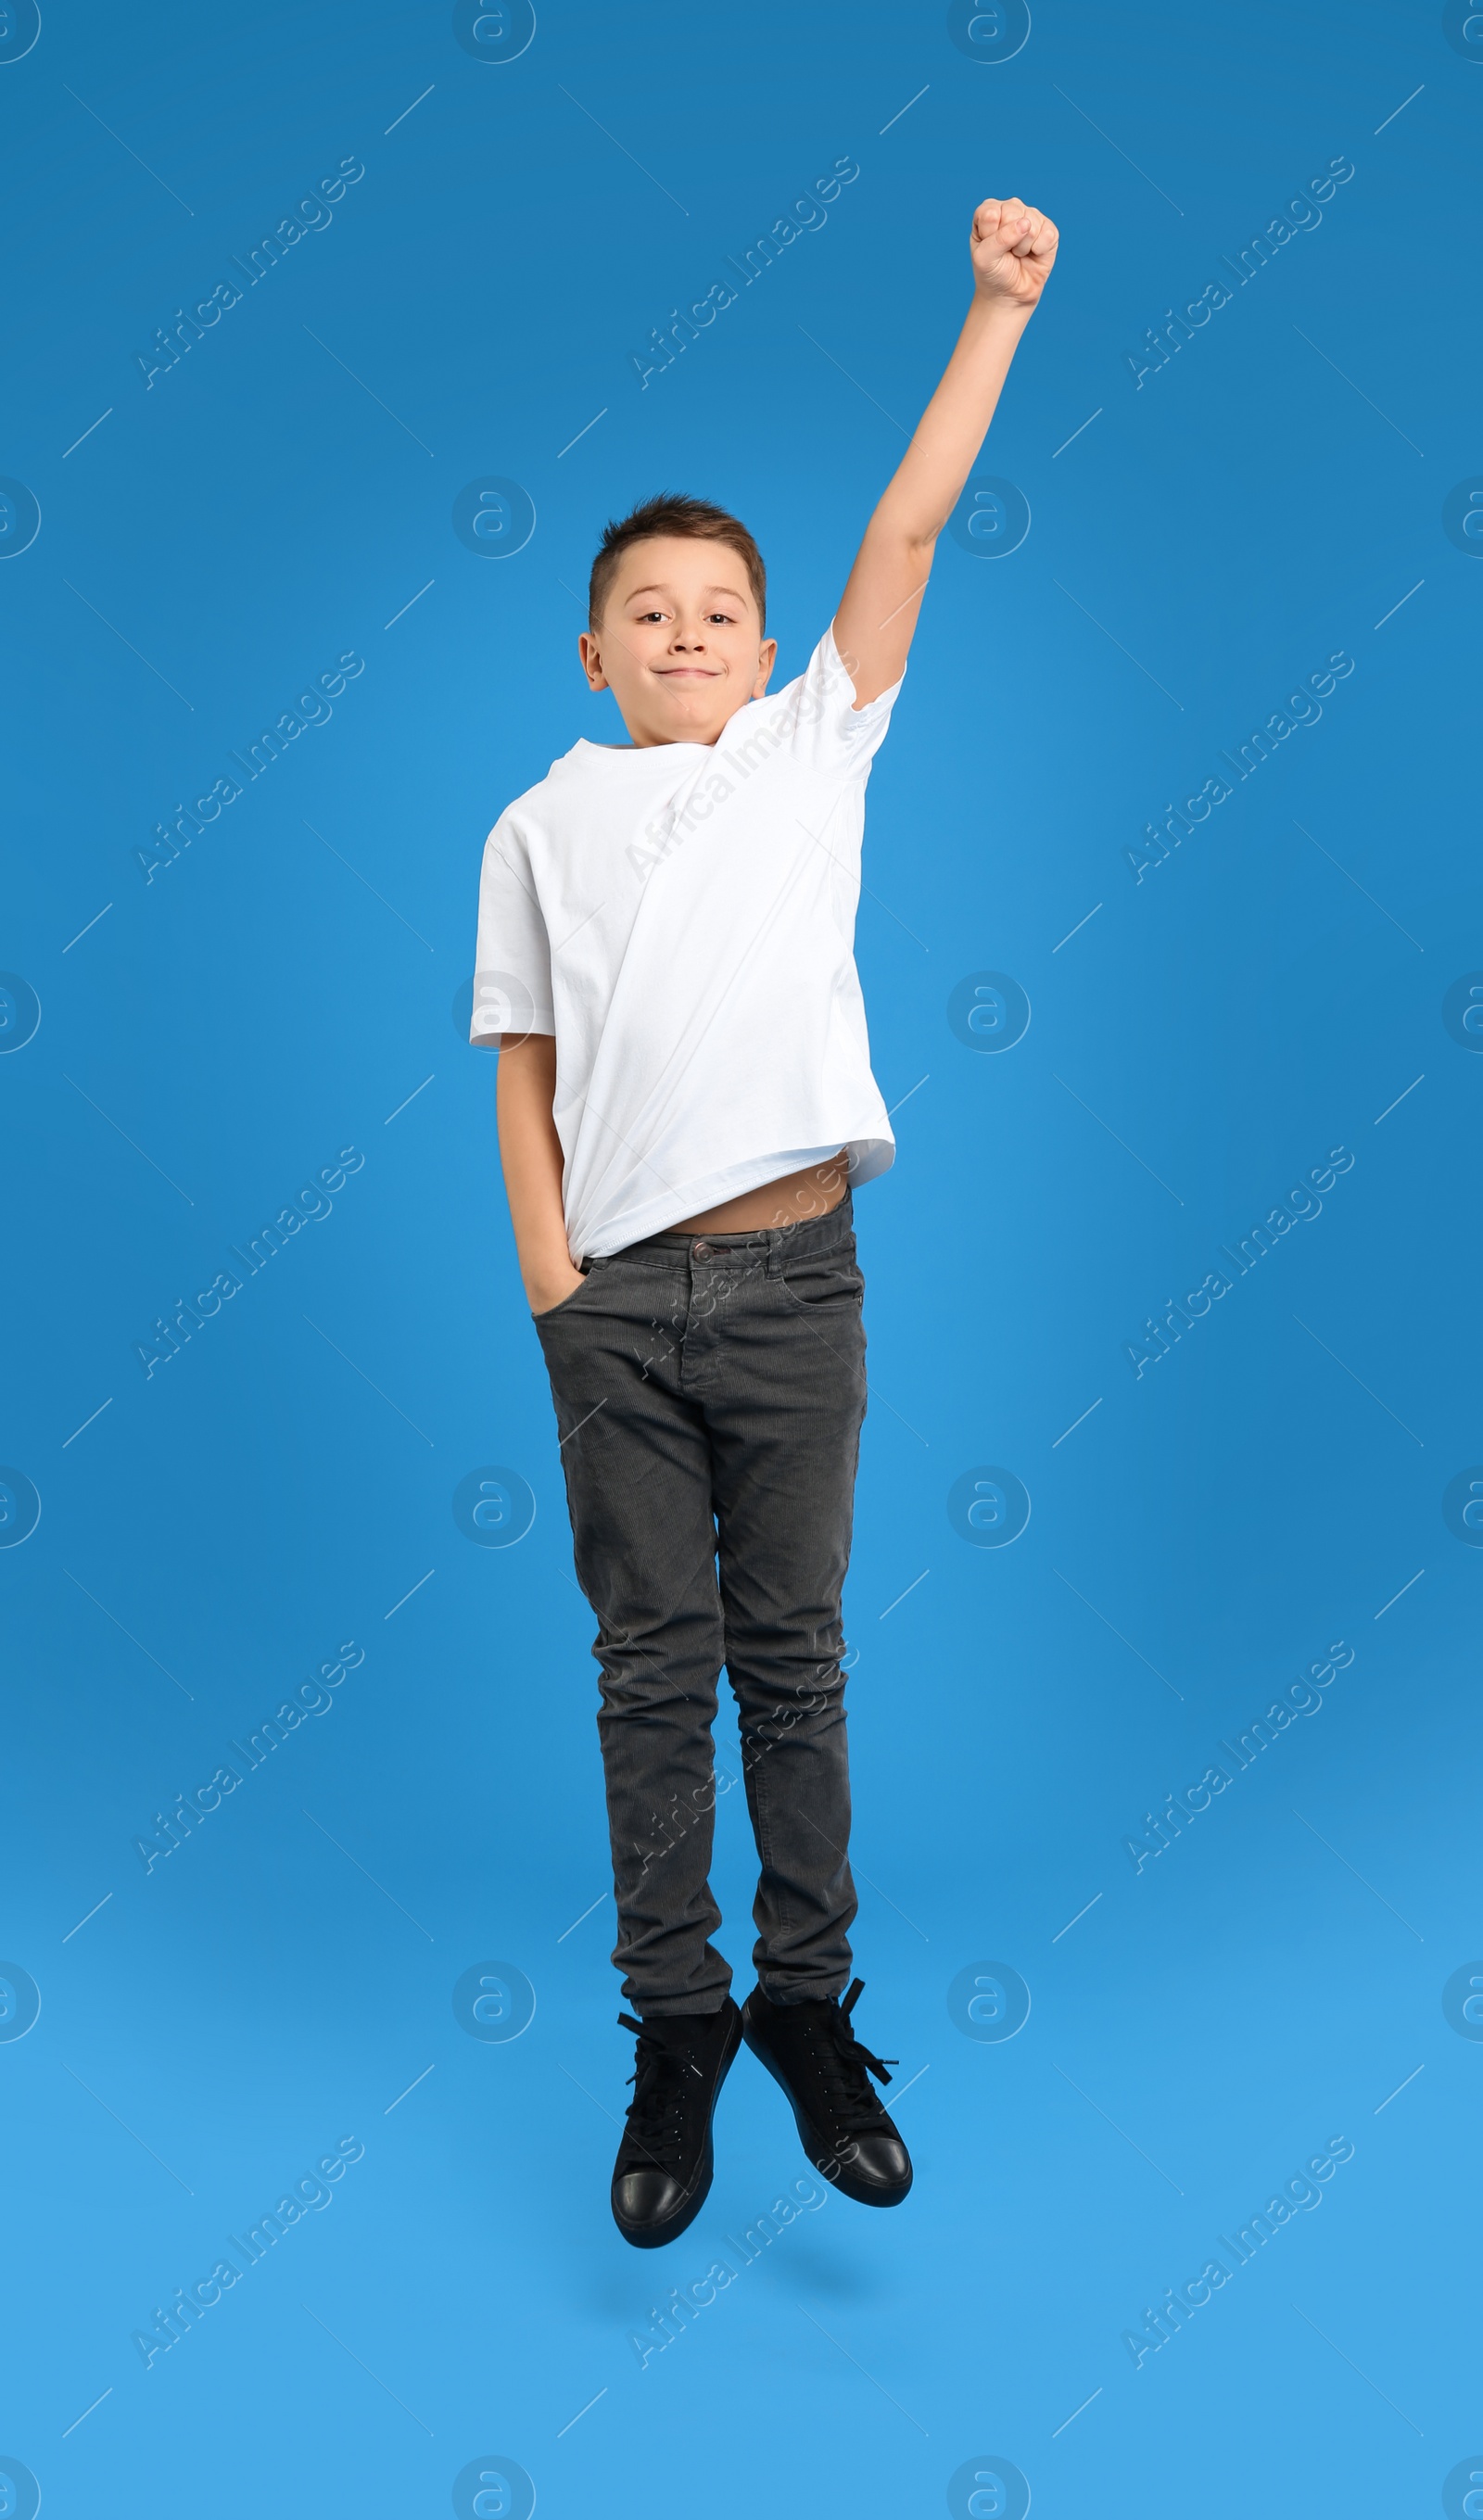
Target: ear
{"type": "Point", "coordinates": [592, 662]}
{"type": "Point", "coordinates": [767, 658]}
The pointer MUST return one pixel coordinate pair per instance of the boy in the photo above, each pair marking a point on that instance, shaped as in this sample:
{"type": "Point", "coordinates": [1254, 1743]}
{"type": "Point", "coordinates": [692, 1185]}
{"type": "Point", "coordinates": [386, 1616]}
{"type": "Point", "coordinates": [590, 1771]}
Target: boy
{"type": "Point", "coordinates": [666, 957]}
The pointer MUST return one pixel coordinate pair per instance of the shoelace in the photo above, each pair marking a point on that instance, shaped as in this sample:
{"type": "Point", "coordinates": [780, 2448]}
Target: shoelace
{"type": "Point", "coordinates": [663, 2079]}
{"type": "Point", "coordinates": [844, 2064]}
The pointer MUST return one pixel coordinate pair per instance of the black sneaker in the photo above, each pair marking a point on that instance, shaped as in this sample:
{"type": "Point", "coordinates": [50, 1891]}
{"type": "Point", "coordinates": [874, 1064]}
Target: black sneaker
{"type": "Point", "coordinates": [811, 2049]}
{"type": "Point", "coordinates": [663, 2172]}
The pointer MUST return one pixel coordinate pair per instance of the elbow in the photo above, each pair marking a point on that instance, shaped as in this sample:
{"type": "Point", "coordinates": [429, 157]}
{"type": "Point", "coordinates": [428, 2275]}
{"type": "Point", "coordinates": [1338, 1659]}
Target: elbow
{"type": "Point", "coordinates": [917, 539]}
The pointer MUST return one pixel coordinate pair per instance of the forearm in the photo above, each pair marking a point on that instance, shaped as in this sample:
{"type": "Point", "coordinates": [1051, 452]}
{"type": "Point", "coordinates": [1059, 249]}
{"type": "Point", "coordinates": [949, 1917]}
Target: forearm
{"type": "Point", "coordinates": [530, 1155]}
{"type": "Point", "coordinates": [925, 489]}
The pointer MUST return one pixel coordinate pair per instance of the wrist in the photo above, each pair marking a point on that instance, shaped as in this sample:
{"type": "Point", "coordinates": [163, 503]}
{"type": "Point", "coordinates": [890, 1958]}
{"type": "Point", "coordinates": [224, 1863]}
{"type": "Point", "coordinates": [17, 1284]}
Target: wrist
{"type": "Point", "coordinates": [550, 1282]}
{"type": "Point", "coordinates": [1012, 314]}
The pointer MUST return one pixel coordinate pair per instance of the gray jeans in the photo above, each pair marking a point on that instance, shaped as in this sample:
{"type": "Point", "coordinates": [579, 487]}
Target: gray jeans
{"type": "Point", "coordinates": [709, 1393]}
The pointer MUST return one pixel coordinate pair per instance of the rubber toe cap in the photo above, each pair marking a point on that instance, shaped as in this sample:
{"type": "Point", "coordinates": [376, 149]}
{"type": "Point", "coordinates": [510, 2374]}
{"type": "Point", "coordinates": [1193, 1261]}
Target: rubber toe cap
{"type": "Point", "coordinates": [881, 2164]}
{"type": "Point", "coordinates": [645, 2201]}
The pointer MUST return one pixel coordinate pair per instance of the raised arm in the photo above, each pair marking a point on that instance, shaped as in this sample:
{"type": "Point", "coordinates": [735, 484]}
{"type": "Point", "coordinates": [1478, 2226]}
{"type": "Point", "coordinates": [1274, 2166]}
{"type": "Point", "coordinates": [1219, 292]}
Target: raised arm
{"type": "Point", "coordinates": [1012, 249]}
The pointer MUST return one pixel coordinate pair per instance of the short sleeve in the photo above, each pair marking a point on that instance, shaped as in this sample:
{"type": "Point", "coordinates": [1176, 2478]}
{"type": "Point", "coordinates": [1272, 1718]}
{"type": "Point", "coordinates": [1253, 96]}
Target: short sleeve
{"type": "Point", "coordinates": [512, 979]}
{"type": "Point", "coordinates": [827, 733]}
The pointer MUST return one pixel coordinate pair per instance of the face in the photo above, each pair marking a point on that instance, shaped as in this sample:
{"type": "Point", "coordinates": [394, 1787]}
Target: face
{"type": "Point", "coordinates": [680, 644]}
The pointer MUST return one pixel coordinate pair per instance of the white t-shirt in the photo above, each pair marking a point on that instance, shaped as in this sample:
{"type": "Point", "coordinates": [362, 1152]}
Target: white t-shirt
{"type": "Point", "coordinates": [682, 917]}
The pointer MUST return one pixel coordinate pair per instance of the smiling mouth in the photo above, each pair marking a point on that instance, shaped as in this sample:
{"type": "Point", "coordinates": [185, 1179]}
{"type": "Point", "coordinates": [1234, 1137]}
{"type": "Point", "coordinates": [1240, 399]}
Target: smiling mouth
{"type": "Point", "coordinates": [688, 673]}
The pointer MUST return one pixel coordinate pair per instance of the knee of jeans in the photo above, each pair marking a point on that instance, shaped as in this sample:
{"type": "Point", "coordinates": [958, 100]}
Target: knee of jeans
{"type": "Point", "coordinates": [638, 1680]}
{"type": "Point", "coordinates": [788, 1669]}
{"type": "Point", "coordinates": [632, 1687]}
{"type": "Point", "coordinates": [768, 1723]}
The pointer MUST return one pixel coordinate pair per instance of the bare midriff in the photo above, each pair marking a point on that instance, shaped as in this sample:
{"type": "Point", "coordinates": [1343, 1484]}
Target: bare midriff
{"type": "Point", "coordinates": [791, 1200]}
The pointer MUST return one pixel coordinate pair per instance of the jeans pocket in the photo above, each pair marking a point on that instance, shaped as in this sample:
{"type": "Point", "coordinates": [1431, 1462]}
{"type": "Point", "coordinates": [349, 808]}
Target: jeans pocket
{"type": "Point", "coordinates": [825, 1279]}
{"type": "Point", "coordinates": [555, 1311]}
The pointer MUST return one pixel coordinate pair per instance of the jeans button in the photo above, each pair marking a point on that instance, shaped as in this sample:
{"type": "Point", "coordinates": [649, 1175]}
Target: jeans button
{"type": "Point", "coordinates": [701, 1252]}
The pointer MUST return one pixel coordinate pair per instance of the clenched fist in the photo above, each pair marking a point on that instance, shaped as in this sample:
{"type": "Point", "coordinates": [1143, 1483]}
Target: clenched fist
{"type": "Point", "coordinates": [1012, 249]}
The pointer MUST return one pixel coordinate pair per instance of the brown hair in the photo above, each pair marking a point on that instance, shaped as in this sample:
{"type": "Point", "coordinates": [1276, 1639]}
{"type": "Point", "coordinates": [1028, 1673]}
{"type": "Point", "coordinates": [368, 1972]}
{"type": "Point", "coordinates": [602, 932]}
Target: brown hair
{"type": "Point", "coordinates": [668, 514]}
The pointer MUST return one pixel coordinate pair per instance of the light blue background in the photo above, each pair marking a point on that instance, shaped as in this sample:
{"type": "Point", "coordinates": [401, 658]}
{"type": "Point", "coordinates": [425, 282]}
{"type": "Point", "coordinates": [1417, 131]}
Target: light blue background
{"type": "Point", "coordinates": [1197, 1041]}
